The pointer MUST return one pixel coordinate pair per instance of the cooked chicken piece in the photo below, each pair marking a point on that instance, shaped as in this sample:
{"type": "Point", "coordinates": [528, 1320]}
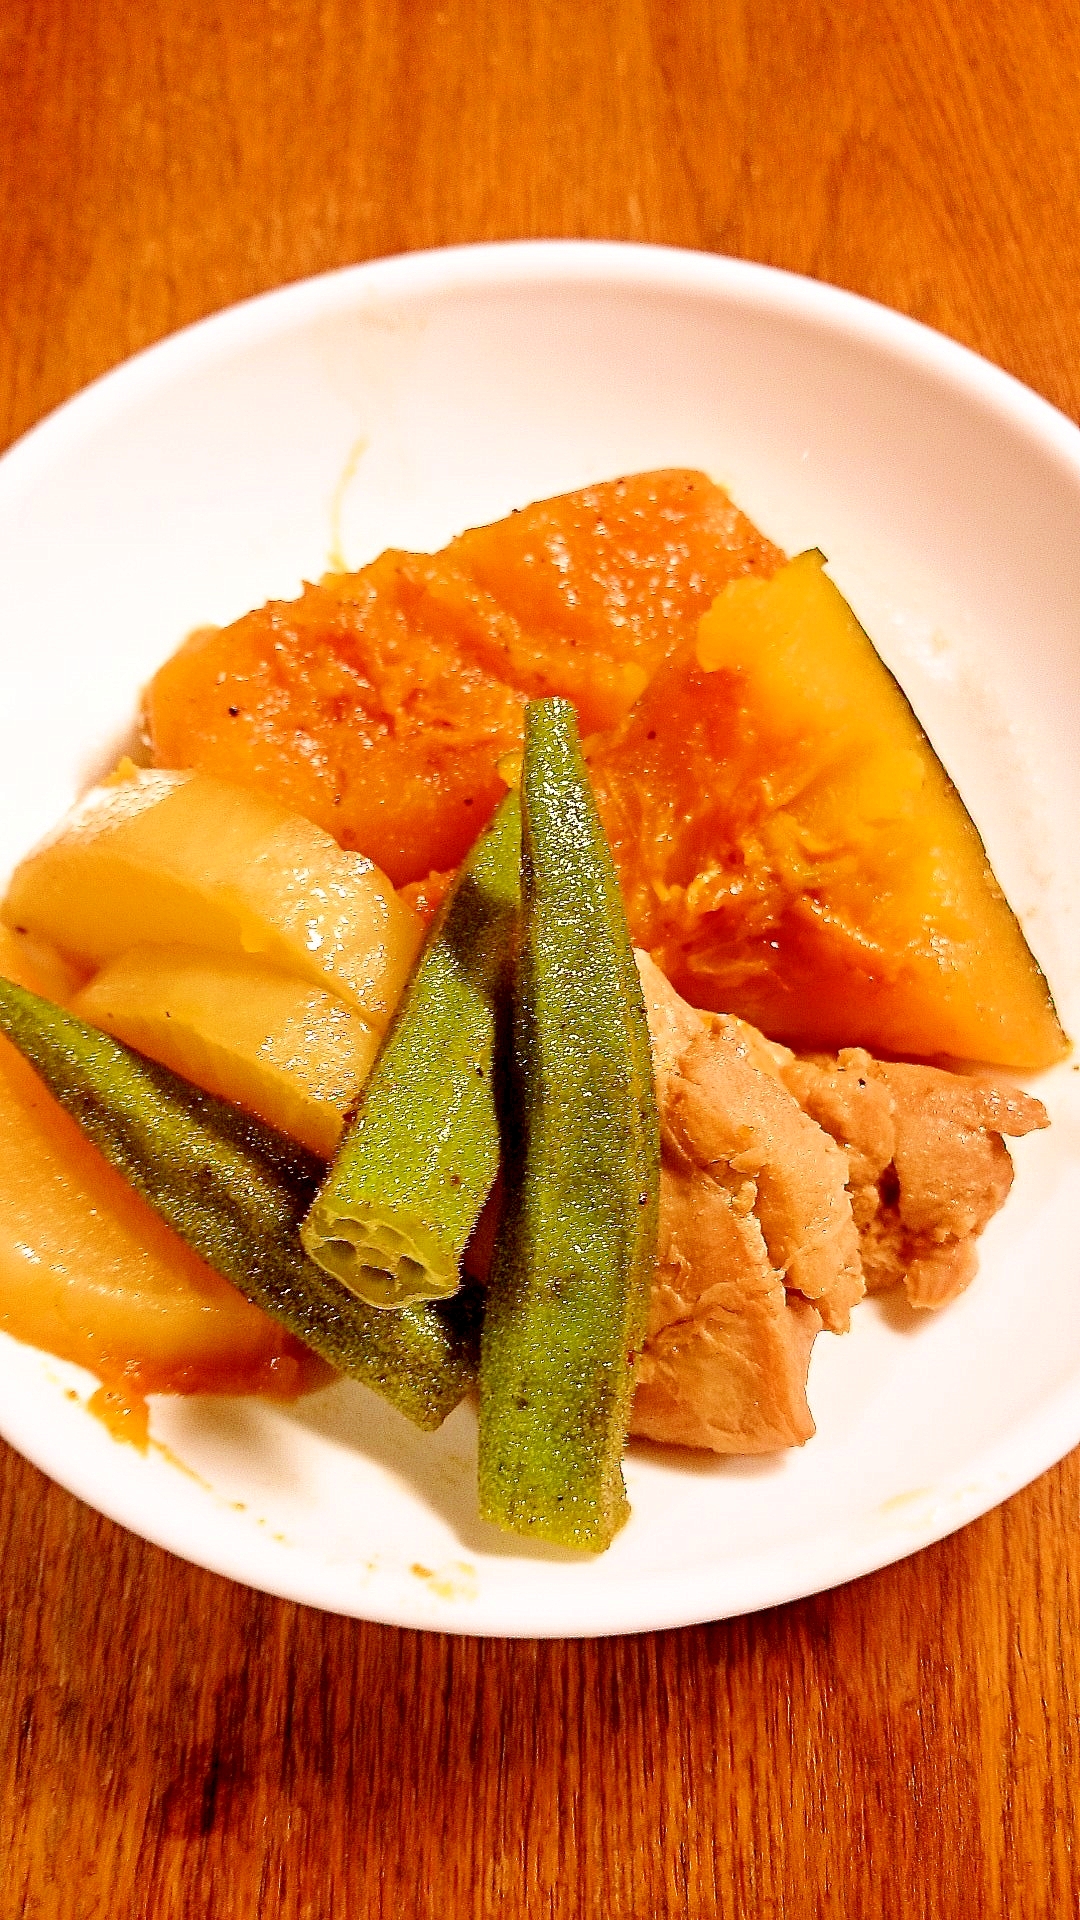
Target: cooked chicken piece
{"type": "Point", "coordinates": [757, 1244]}
{"type": "Point", "coordinates": [928, 1167]}
{"type": "Point", "coordinates": [783, 1182]}
{"type": "Point", "coordinates": [786, 1186]}
{"type": "Point", "coordinates": [727, 1349]}
{"type": "Point", "coordinates": [927, 1163]}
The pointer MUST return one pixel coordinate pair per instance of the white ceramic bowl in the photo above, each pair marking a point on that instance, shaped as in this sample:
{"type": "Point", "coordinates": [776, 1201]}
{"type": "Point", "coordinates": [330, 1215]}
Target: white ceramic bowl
{"type": "Point", "coordinates": [395, 404]}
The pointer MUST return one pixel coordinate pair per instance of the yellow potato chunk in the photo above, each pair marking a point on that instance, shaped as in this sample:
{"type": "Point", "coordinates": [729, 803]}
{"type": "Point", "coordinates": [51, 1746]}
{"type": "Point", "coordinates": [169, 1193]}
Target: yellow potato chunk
{"type": "Point", "coordinates": [41, 968]}
{"type": "Point", "coordinates": [288, 1051]}
{"type": "Point", "coordinates": [88, 1272]}
{"type": "Point", "coordinates": [175, 859]}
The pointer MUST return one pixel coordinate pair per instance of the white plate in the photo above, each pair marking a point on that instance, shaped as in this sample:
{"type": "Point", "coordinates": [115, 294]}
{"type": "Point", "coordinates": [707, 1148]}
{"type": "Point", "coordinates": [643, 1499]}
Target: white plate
{"type": "Point", "coordinates": [395, 404]}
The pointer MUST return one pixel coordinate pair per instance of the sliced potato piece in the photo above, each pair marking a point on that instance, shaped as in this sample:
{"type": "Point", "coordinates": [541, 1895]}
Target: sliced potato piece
{"type": "Point", "coordinates": [88, 1272]}
{"type": "Point", "coordinates": [290, 1052]}
{"type": "Point", "coordinates": [186, 859]}
{"type": "Point", "coordinates": [32, 964]}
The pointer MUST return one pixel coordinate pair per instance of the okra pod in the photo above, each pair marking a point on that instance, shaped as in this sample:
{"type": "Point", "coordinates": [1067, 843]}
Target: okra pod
{"type": "Point", "coordinates": [236, 1190]}
{"type": "Point", "coordinates": [573, 1264]}
{"type": "Point", "coordinates": [408, 1182]}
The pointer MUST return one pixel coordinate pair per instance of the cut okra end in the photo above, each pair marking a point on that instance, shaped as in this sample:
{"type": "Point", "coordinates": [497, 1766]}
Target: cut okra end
{"type": "Point", "coordinates": [394, 1213]}
{"type": "Point", "coordinates": [531, 1513]}
{"type": "Point", "coordinates": [385, 1263]}
{"type": "Point", "coordinates": [236, 1191]}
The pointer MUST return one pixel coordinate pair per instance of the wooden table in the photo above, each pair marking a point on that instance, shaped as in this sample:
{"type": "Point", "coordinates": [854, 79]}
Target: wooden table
{"type": "Point", "coordinates": [171, 1745]}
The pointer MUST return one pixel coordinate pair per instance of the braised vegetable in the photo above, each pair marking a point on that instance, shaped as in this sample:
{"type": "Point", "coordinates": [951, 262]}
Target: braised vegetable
{"type": "Point", "coordinates": [421, 1154]}
{"type": "Point", "coordinates": [90, 1272]}
{"type": "Point", "coordinates": [236, 1192]}
{"type": "Point", "coordinates": [792, 850]}
{"type": "Point", "coordinates": [183, 859]}
{"type": "Point", "coordinates": [577, 1244]}
{"type": "Point", "coordinates": [286, 1050]}
{"type": "Point", "coordinates": [407, 678]}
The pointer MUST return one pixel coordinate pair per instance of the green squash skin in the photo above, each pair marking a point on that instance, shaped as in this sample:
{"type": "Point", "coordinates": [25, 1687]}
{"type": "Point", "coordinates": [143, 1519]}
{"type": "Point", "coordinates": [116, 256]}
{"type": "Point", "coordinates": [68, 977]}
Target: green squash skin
{"type": "Point", "coordinates": [236, 1191]}
{"type": "Point", "coordinates": [421, 1153]}
{"type": "Point", "coordinates": [576, 1250]}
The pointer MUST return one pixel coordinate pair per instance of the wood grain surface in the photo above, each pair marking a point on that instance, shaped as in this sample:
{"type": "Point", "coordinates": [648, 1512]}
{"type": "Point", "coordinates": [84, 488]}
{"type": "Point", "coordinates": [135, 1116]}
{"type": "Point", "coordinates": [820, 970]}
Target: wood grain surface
{"type": "Point", "coordinates": [172, 1745]}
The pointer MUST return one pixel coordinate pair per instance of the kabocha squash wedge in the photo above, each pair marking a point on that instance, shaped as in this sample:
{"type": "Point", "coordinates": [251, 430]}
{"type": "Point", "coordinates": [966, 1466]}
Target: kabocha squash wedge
{"type": "Point", "coordinates": [236, 1192]}
{"type": "Point", "coordinates": [791, 849]}
{"type": "Point", "coordinates": [576, 1249]}
{"type": "Point", "coordinates": [410, 676]}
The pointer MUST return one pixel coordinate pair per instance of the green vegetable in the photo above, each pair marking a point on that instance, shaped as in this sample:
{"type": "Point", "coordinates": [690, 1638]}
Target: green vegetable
{"type": "Point", "coordinates": [577, 1244]}
{"type": "Point", "coordinates": [409, 1180]}
{"type": "Point", "coordinates": [236, 1191]}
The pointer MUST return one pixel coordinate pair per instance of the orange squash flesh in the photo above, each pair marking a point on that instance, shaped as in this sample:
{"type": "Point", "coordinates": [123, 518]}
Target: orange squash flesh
{"type": "Point", "coordinates": [791, 849]}
{"type": "Point", "coordinates": [380, 702]}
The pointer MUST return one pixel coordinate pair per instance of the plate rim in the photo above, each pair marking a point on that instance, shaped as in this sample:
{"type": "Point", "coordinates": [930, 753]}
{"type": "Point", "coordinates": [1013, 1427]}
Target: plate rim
{"type": "Point", "coordinates": [1032, 1448]}
{"type": "Point", "coordinates": [482, 263]}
